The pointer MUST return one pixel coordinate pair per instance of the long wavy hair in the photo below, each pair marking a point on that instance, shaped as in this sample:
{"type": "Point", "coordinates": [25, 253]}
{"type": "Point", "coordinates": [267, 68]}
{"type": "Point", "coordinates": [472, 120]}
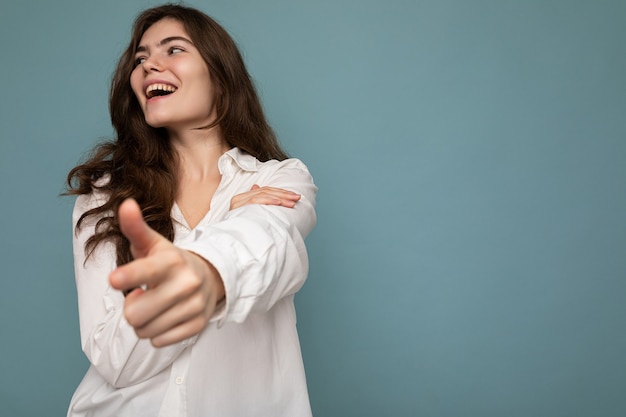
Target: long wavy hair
{"type": "Point", "coordinates": [140, 163]}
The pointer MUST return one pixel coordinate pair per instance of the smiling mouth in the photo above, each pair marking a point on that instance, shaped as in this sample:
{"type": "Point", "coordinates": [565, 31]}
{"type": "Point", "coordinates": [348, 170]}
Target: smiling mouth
{"type": "Point", "coordinates": [156, 90]}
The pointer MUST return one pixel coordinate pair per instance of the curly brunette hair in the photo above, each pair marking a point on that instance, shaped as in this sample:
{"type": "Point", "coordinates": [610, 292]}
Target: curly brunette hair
{"type": "Point", "coordinates": [140, 163]}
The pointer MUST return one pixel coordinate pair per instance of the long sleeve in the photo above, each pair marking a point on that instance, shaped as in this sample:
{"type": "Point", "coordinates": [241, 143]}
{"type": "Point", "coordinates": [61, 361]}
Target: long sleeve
{"type": "Point", "coordinates": [107, 340]}
{"type": "Point", "coordinates": [247, 361]}
{"type": "Point", "coordinates": [259, 249]}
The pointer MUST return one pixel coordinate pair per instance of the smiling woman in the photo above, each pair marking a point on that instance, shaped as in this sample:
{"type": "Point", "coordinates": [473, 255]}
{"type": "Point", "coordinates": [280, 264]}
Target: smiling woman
{"type": "Point", "coordinates": [168, 75]}
{"type": "Point", "coordinates": [189, 237]}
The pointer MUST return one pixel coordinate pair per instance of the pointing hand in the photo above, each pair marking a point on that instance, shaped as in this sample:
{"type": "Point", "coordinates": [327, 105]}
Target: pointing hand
{"type": "Point", "coordinates": [174, 291]}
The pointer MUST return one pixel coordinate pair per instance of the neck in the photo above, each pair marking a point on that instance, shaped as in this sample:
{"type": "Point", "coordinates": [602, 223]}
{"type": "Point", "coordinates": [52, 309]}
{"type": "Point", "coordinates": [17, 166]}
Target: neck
{"type": "Point", "coordinates": [198, 152]}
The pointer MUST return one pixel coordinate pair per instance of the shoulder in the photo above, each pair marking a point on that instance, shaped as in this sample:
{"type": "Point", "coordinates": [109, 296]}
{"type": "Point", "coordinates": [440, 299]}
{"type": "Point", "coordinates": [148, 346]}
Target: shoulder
{"type": "Point", "coordinates": [289, 174]}
{"type": "Point", "coordinates": [247, 162]}
{"type": "Point", "coordinates": [289, 168]}
{"type": "Point", "coordinates": [96, 198]}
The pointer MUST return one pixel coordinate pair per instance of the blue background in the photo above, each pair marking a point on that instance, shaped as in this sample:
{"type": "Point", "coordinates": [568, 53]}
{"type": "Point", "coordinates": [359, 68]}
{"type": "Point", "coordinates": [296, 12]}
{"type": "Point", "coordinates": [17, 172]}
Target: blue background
{"type": "Point", "coordinates": [470, 254]}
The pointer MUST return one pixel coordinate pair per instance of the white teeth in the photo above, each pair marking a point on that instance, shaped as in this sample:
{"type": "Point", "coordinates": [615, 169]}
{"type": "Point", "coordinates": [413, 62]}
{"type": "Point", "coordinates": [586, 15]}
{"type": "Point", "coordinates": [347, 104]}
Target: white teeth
{"type": "Point", "coordinates": [152, 89]}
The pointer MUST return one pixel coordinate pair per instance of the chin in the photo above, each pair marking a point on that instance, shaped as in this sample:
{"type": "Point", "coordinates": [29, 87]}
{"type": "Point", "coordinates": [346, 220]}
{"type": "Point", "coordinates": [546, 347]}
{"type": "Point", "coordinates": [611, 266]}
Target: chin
{"type": "Point", "coordinates": [157, 122]}
{"type": "Point", "coordinates": [155, 125]}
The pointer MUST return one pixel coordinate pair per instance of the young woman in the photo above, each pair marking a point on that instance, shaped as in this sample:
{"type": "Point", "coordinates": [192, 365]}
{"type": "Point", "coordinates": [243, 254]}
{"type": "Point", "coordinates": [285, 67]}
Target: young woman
{"type": "Point", "coordinates": [189, 233]}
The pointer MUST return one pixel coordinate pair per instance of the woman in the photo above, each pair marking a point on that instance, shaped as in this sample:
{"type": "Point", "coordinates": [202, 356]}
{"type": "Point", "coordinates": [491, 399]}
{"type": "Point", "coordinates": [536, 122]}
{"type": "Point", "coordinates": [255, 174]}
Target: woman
{"type": "Point", "coordinates": [186, 305]}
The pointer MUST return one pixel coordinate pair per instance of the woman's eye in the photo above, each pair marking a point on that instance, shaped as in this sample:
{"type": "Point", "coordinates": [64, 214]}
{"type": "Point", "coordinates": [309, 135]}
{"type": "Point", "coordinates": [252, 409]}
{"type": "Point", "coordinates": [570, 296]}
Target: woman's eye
{"type": "Point", "coordinates": [175, 50]}
{"type": "Point", "coordinates": [139, 60]}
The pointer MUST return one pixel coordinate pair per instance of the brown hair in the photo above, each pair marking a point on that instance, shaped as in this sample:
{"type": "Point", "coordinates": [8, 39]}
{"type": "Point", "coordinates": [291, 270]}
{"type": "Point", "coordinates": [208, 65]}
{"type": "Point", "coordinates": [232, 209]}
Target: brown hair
{"type": "Point", "coordinates": [140, 162]}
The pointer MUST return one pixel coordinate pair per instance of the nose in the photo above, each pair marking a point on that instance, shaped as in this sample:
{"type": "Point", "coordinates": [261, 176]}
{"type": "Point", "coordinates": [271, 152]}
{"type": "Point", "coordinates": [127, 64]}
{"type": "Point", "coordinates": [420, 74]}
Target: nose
{"type": "Point", "coordinates": [151, 64]}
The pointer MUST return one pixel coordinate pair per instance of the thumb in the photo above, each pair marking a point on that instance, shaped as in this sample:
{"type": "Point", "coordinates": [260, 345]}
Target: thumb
{"type": "Point", "coordinates": [255, 187]}
{"type": "Point", "coordinates": [142, 238]}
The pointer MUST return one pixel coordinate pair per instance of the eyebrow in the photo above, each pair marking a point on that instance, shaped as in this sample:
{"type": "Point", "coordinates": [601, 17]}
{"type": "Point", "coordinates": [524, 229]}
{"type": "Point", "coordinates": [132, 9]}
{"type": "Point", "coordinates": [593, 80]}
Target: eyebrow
{"type": "Point", "coordinates": [165, 41]}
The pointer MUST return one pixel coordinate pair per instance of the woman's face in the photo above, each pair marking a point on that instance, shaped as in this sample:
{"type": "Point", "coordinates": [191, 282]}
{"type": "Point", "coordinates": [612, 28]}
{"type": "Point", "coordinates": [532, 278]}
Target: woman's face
{"type": "Point", "coordinates": [171, 80]}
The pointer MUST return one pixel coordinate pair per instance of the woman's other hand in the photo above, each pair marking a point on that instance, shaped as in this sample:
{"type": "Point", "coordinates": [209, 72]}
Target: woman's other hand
{"type": "Point", "coordinates": [174, 291]}
{"type": "Point", "coordinates": [265, 195]}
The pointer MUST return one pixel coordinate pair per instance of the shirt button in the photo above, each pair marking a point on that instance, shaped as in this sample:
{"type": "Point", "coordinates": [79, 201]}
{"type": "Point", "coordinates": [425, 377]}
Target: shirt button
{"type": "Point", "coordinates": [179, 380]}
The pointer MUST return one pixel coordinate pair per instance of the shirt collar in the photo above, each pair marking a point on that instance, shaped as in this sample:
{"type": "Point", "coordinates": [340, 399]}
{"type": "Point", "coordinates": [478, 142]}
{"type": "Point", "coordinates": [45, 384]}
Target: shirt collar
{"type": "Point", "coordinates": [242, 159]}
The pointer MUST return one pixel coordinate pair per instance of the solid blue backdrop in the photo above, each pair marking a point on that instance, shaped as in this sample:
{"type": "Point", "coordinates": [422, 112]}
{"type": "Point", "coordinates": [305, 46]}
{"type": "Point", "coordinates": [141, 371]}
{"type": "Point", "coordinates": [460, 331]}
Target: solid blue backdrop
{"type": "Point", "coordinates": [470, 254]}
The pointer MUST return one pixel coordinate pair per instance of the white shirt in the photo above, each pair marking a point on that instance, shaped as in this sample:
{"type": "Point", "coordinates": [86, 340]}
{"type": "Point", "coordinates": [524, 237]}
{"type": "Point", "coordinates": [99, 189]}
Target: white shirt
{"type": "Point", "coordinates": [247, 361]}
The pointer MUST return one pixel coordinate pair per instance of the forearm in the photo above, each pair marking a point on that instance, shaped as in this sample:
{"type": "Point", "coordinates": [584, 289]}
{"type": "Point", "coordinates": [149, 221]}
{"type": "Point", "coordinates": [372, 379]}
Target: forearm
{"type": "Point", "coordinates": [123, 359]}
{"type": "Point", "coordinates": [259, 250]}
